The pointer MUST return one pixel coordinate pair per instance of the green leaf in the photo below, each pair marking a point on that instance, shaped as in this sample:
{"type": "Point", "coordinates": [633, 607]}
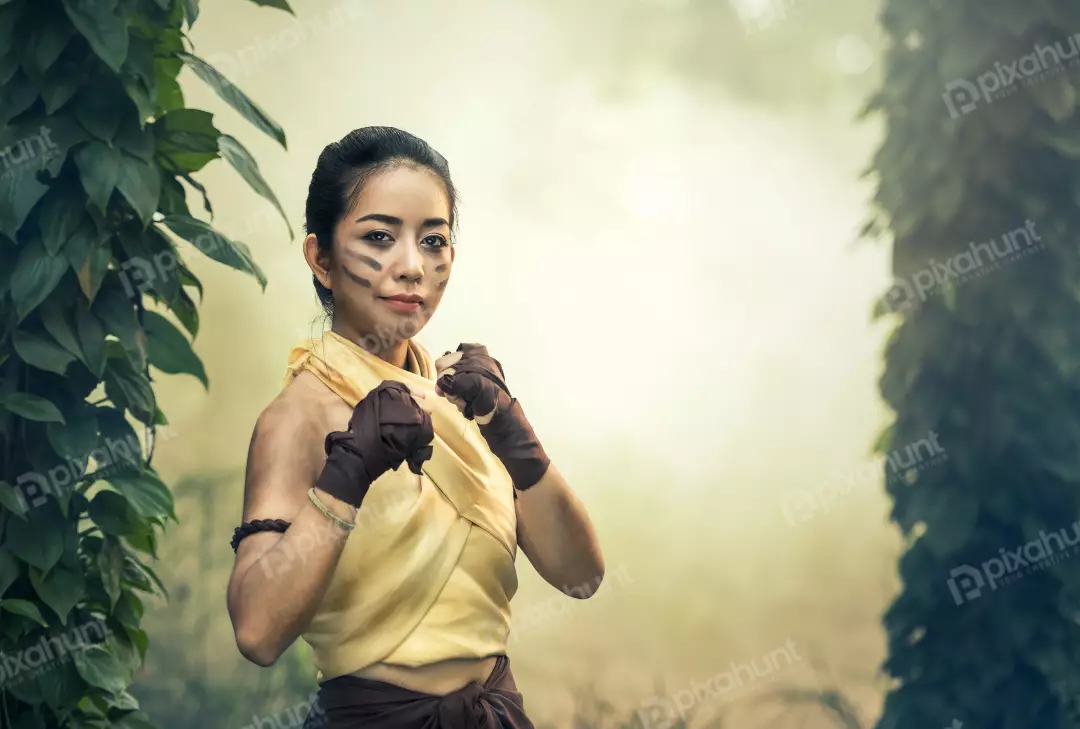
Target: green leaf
{"type": "Point", "coordinates": [100, 668]}
{"type": "Point", "coordinates": [60, 588]}
{"type": "Point", "coordinates": [236, 155]}
{"type": "Point", "coordinates": [130, 390]}
{"type": "Point", "coordinates": [116, 310]}
{"type": "Point", "coordinates": [191, 11]}
{"type": "Point", "coordinates": [170, 350]}
{"type": "Point", "coordinates": [110, 562]}
{"type": "Point", "coordinates": [40, 352]}
{"type": "Point", "coordinates": [129, 610]}
{"type": "Point", "coordinates": [103, 27]}
{"type": "Point", "coordinates": [185, 311]}
{"type": "Point", "coordinates": [60, 86]}
{"type": "Point", "coordinates": [148, 496]}
{"type": "Point", "coordinates": [48, 40]}
{"type": "Point", "coordinates": [140, 184]}
{"type": "Point", "coordinates": [31, 407]}
{"type": "Point", "coordinates": [58, 325]}
{"type": "Point", "coordinates": [234, 97]}
{"type": "Point", "coordinates": [169, 95]}
{"type": "Point", "coordinates": [59, 133]}
{"type": "Point", "coordinates": [99, 170]}
{"type": "Point", "coordinates": [19, 192]}
{"type": "Point", "coordinates": [25, 608]}
{"type": "Point", "coordinates": [62, 687]}
{"type": "Point", "coordinates": [152, 264]}
{"type": "Point", "coordinates": [99, 113]}
{"type": "Point", "coordinates": [112, 513]}
{"type": "Point", "coordinates": [16, 96]}
{"type": "Point", "coordinates": [13, 502]}
{"type": "Point", "coordinates": [91, 338]}
{"type": "Point", "coordinates": [280, 4]}
{"type": "Point", "coordinates": [135, 140]}
{"type": "Point", "coordinates": [77, 438]}
{"type": "Point", "coordinates": [91, 274]}
{"type": "Point", "coordinates": [9, 571]}
{"type": "Point", "coordinates": [187, 138]}
{"type": "Point", "coordinates": [36, 276]}
{"type": "Point", "coordinates": [142, 98]}
{"type": "Point", "coordinates": [9, 64]}
{"type": "Point", "coordinates": [39, 540]}
{"type": "Point", "coordinates": [61, 213]}
{"type": "Point", "coordinates": [215, 245]}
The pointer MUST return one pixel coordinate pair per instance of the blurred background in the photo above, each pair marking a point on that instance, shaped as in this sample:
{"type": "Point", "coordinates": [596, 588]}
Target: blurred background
{"type": "Point", "coordinates": [660, 205]}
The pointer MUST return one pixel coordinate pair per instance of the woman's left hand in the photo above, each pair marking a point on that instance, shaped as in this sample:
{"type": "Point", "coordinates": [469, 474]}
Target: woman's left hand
{"type": "Point", "coordinates": [472, 380]}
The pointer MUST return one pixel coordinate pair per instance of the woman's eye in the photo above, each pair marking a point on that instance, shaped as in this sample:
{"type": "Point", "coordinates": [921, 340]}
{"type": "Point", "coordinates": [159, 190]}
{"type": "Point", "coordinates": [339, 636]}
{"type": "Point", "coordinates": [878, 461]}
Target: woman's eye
{"type": "Point", "coordinates": [371, 236]}
{"type": "Point", "coordinates": [436, 241]}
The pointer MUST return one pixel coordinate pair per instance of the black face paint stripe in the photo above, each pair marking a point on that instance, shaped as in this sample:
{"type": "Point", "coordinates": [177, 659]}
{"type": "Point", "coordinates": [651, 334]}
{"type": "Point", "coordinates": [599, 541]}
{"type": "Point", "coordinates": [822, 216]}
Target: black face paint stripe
{"type": "Point", "coordinates": [442, 284]}
{"type": "Point", "coordinates": [440, 268]}
{"type": "Point", "coordinates": [365, 259]}
{"type": "Point", "coordinates": [358, 279]}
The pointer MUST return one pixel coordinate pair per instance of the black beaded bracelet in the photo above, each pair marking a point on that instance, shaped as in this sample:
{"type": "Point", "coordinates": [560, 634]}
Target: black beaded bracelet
{"type": "Point", "coordinates": [257, 525]}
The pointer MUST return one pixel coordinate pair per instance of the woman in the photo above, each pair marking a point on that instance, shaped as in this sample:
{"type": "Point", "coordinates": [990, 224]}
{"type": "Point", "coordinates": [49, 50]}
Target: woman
{"type": "Point", "coordinates": [387, 493]}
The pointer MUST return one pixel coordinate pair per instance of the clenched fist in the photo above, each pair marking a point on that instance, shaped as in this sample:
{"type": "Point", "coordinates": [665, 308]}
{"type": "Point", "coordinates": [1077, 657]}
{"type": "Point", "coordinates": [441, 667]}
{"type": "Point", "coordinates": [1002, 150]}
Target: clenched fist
{"type": "Point", "coordinates": [388, 427]}
{"type": "Point", "coordinates": [474, 381]}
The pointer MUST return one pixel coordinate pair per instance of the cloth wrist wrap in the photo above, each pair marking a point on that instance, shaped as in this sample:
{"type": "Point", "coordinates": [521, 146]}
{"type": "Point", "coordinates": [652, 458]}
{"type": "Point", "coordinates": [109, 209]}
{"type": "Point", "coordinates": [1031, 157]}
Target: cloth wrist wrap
{"type": "Point", "coordinates": [387, 428]}
{"type": "Point", "coordinates": [478, 380]}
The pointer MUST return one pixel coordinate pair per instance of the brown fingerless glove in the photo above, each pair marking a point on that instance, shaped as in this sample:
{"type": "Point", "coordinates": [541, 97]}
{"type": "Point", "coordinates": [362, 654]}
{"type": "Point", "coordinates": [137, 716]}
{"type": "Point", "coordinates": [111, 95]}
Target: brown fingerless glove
{"type": "Point", "coordinates": [478, 380]}
{"type": "Point", "coordinates": [387, 428]}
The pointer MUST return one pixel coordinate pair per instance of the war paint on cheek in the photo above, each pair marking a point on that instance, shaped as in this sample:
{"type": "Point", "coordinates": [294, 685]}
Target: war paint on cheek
{"type": "Point", "coordinates": [358, 279]}
{"type": "Point", "coordinates": [441, 267]}
{"type": "Point", "coordinates": [375, 265]}
{"type": "Point", "coordinates": [442, 284]}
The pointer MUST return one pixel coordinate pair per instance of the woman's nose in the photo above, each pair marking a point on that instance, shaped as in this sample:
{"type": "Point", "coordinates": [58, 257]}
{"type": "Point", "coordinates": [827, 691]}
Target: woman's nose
{"type": "Point", "coordinates": [411, 263]}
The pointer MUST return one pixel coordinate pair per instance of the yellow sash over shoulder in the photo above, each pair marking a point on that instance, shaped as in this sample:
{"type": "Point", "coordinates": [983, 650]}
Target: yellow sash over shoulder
{"type": "Point", "coordinates": [428, 573]}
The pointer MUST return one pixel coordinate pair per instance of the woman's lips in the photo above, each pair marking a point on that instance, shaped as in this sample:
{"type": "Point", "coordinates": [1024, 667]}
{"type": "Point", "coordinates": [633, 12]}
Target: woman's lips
{"type": "Point", "coordinates": [402, 305]}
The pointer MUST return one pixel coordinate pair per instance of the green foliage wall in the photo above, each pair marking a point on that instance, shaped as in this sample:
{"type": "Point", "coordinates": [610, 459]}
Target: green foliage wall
{"type": "Point", "coordinates": [979, 188]}
{"type": "Point", "coordinates": [97, 157]}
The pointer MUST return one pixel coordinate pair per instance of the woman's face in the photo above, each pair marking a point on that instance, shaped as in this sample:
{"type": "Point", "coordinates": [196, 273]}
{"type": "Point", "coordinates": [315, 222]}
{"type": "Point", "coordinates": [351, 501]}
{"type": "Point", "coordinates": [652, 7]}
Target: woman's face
{"type": "Point", "coordinates": [391, 258]}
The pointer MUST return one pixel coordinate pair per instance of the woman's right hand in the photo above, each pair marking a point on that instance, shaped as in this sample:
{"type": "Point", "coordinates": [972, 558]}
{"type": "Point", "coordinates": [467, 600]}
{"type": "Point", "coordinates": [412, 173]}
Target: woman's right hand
{"type": "Point", "coordinates": [389, 426]}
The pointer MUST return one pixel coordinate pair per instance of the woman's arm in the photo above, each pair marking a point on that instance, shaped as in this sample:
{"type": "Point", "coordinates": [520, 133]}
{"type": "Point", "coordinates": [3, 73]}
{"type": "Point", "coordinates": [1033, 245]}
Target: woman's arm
{"type": "Point", "coordinates": [554, 530]}
{"type": "Point", "coordinates": [558, 537]}
{"type": "Point", "coordinates": [278, 580]}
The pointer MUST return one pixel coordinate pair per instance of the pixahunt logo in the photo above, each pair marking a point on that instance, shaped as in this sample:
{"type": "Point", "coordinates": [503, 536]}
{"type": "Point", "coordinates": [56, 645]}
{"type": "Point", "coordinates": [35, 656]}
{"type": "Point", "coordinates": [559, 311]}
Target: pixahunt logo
{"type": "Point", "coordinates": [28, 663]}
{"type": "Point", "coordinates": [967, 583]}
{"type": "Point", "coordinates": [963, 267]}
{"type": "Point", "coordinates": [963, 96]}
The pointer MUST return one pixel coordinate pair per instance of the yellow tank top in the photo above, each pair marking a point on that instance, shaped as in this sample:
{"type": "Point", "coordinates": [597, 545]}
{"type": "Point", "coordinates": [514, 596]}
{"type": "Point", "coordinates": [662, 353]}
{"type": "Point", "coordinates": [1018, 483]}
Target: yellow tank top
{"type": "Point", "coordinates": [428, 573]}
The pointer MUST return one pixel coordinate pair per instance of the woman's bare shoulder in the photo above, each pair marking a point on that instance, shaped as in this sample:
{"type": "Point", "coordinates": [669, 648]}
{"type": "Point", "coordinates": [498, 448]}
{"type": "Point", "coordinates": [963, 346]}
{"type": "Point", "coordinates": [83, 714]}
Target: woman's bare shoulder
{"type": "Point", "coordinates": [287, 446]}
{"type": "Point", "coordinates": [305, 409]}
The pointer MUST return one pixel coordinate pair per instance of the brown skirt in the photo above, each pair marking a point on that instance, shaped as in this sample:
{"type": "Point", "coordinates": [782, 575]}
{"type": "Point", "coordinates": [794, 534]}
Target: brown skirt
{"type": "Point", "coordinates": [351, 702]}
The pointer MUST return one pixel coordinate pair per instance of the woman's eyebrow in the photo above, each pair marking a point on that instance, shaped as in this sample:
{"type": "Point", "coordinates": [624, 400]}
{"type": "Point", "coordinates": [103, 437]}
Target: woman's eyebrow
{"type": "Point", "coordinates": [391, 220]}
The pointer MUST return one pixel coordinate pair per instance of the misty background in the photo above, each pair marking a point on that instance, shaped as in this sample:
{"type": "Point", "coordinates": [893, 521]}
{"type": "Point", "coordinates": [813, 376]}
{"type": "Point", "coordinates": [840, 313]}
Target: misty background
{"type": "Point", "coordinates": [659, 225]}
